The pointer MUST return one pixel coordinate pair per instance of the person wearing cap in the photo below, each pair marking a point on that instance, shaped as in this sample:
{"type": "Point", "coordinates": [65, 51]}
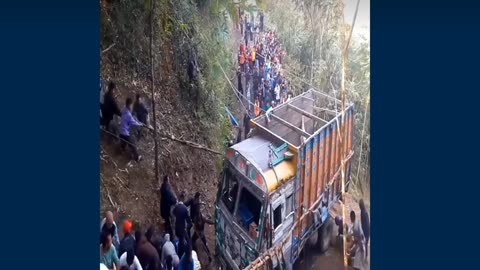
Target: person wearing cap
{"type": "Point", "coordinates": [128, 240]}
{"type": "Point", "coordinates": [108, 225]}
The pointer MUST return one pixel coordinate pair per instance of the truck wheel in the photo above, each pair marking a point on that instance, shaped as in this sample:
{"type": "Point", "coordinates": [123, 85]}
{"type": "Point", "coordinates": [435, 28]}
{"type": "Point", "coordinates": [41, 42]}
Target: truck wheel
{"type": "Point", "coordinates": [325, 235]}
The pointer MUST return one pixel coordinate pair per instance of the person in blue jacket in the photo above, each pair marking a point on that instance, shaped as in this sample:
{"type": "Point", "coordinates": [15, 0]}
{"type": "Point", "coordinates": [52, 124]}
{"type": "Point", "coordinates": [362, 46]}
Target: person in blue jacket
{"type": "Point", "coordinates": [186, 262]}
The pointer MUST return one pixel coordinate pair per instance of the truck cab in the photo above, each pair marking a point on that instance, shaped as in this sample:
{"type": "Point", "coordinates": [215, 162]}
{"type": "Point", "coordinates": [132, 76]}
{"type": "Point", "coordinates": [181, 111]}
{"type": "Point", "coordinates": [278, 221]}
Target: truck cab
{"type": "Point", "coordinates": [277, 186]}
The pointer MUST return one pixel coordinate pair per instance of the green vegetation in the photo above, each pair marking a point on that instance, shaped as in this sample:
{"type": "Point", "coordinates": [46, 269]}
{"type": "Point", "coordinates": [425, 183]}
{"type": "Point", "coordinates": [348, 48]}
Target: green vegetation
{"type": "Point", "coordinates": [181, 27]}
{"type": "Point", "coordinates": [314, 33]}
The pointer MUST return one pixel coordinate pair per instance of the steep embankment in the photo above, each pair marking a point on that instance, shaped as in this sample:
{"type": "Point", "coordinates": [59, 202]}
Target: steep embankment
{"type": "Point", "coordinates": [186, 111]}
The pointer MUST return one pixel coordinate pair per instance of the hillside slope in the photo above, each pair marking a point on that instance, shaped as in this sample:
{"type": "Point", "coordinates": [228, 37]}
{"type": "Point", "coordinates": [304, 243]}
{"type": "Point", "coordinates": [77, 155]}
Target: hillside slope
{"type": "Point", "coordinates": [191, 112]}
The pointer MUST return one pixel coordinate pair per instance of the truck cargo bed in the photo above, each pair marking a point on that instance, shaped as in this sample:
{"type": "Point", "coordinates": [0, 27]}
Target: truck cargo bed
{"type": "Point", "coordinates": [312, 126]}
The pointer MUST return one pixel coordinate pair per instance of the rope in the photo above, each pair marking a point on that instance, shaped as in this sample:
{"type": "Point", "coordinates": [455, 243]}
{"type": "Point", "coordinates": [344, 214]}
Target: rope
{"type": "Point", "coordinates": [118, 137]}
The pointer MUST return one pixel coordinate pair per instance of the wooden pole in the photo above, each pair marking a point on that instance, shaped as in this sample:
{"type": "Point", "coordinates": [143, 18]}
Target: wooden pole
{"type": "Point", "coordinates": [152, 16]}
{"type": "Point", "coordinates": [342, 132]}
{"type": "Point", "coordinates": [342, 149]}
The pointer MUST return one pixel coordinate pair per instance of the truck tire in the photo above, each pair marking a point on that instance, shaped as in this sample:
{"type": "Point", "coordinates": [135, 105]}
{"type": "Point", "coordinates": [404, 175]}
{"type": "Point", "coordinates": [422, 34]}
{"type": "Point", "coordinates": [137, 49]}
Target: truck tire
{"type": "Point", "coordinates": [325, 235]}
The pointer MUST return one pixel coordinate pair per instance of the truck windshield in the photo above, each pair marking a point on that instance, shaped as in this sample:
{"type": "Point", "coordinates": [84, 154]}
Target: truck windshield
{"type": "Point", "coordinates": [229, 190]}
{"type": "Point", "coordinates": [248, 210]}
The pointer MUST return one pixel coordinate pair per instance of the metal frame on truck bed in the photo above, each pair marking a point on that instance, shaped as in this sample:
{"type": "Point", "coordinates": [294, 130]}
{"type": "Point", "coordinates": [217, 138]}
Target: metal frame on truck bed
{"type": "Point", "coordinates": [279, 183]}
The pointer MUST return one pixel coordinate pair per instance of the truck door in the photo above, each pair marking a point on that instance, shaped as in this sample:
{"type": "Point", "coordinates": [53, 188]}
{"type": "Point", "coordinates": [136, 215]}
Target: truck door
{"type": "Point", "coordinates": [278, 209]}
{"type": "Point", "coordinates": [282, 217]}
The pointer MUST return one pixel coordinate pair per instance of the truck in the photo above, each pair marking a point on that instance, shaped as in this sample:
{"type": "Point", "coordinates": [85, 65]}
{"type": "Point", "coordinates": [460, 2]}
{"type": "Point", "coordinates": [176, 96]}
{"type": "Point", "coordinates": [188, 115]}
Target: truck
{"type": "Point", "coordinates": [278, 185]}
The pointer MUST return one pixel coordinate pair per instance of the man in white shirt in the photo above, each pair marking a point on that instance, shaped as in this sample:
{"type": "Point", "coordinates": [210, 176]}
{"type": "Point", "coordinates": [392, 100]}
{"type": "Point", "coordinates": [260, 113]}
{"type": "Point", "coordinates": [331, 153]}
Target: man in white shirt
{"type": "Point", "coordinates": [130, 260]}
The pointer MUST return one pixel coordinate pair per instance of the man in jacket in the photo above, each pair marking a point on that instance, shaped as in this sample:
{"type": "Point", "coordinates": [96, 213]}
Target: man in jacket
{"type": "Point", "coordinates": [140, 111]}
{"type": "Point", "coordinates": [239, 78]}
{"type": "Point", "coordinates": [365, 220]}
{"type": "Point", "coordinates": [108, 225]}
{"type": "Point", "coordinates": [246, 125]}
{"type": "Point", "coordinates": [168, 249]}
{"type": "Point", "coordinates": [128, 241]}
{"type": "Point", "coordinates": [199, 231]}
{"type": "Point", "coordinates": [167, 200]}
{"type": "Point", "coordinates": [109, 107]}
{"type": "Point", "coordinates": [183, 222]}
{"type": "Point", "coordinates": [127, 122]}
{"type": "Point", "coordinates": [146, 252]}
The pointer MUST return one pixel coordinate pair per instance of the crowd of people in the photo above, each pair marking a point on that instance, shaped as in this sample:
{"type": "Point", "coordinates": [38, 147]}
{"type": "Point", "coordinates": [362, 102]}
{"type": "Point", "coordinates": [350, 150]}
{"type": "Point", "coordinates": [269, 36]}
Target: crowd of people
{"type": "Point", "coordinates": [126, 124]}
{"type": "Point", "coordinates": [358, 235]}
{"type": "Point", "coordinates": [260, 58]}
{"type": "Point", "coordinates": [260, 80]}
{"type": "Point", "coordinates": [174, 248]}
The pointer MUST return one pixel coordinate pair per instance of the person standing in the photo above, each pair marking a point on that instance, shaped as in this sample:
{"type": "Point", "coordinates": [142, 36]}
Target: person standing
{"type": "Point", "coordinates": [127, 122]}
{"type": "Point", "coordinates": [365, 220]}
{"type": "Point", "coordinates": [129, 260]}
{"type": "Point", "coordinates": [108, 226]}
{"type": "Point", "coordinates": [186, 262]}
{"type": "Point", "coordinates": [339, 237]}
{"type": "Point", "coordinates": [183, 222]}
{"type": "Point", "coordinates": [194, 204]}
{"type": "Point", "coordinates": [199, 231]}
{"type": "Point", "coordinates": [246, 124]}
{"type": "Point", "coordinates": [239, 78]}
{"type": "Point", "coordinates": [256, 108]}
{"type": "Point", "coordinates": [252, 57]}
{"type": "Point", "coordinates": [261, 21]}
{"type": "Point", "coordinates": [241, 61]}
{"type": "Point", "coordinates": [128, 241]}
{"type": "Point", "coordinates": [108, 253]}
{"type": "Point", "coordinates": [140, 111]}
{"type": "Point", "coordinates": [167, 200]}
{"type": "Point", "coordinates": [168, 250]}
{"type": "Point", "coordinates": [146, 252]}
{"type": "Point", "coordinates": [192, 69]}
{"type": "Point", "coordinates": [154, 239]}
{"type": "Point", "coordinates": [241, 24]}
{"type": "Point", "coordinates": [357, 248]}
{"type": "Point", "coordinates": [109, 107]}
